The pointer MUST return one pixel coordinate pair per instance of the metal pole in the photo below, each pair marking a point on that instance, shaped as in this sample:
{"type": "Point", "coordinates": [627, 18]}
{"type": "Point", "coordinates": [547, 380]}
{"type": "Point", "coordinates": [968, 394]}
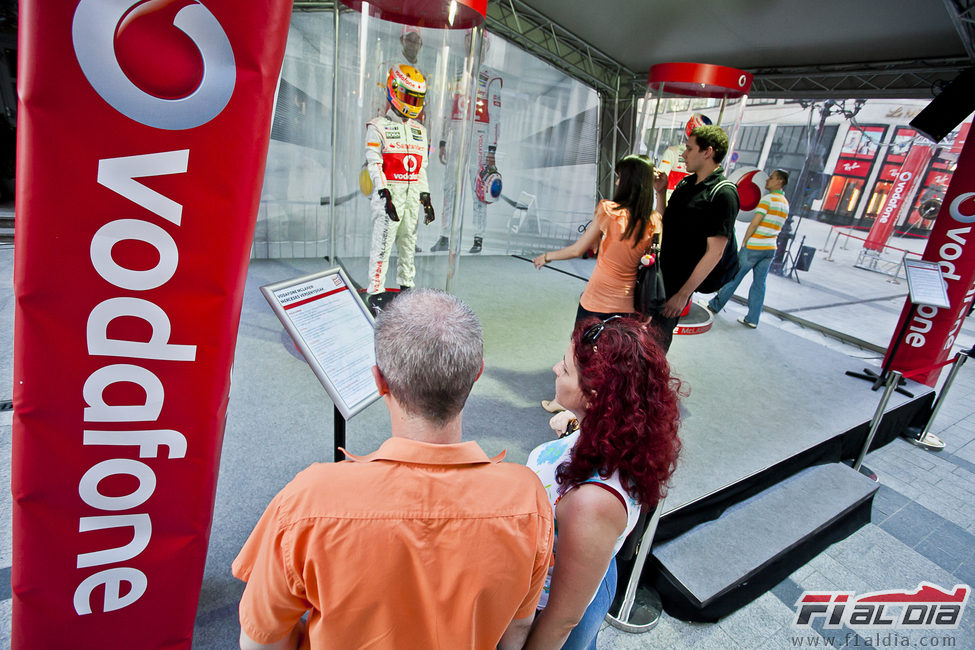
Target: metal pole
{"type": "Point", "coordinates": [925, 438]}
{"type": "Point", "coordinates": [623, 622]}
{"type": "Point", "coordinates": [472, 66]}
{"type": "Point", "coordinates": [830, 258]}
{"type": "Point", "coordinates": [616, 123]}
{"type": "Point", "coordinates": [893, 380]}
{"type": "Point", "coordinates": [335, 129]}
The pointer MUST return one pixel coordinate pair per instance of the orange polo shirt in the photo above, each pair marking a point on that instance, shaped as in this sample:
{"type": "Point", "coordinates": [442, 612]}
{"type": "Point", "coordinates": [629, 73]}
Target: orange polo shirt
{"type": "Point", "coordinates": [414, 546]}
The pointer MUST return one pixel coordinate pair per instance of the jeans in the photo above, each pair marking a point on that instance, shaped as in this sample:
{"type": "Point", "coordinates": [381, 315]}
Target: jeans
{"type": "Point", "coordinates": [583, 637]}
{"type": "Point", "coordinates": [758, 263]}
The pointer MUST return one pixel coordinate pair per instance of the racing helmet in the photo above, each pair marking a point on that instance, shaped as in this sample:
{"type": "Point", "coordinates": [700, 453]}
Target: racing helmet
{"type": "Point", "coordinates": [697, 119]}
{"type": "Point", "coordinates": [405, 90]}
{"type": "Point", "coordinates": [487, 185]}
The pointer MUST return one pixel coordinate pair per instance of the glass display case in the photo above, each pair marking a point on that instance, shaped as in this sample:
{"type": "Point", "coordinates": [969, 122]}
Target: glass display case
{"type": "Point", "coordinates": [511, 149]}
{"type": "Point", "coordinates": [681, 96]}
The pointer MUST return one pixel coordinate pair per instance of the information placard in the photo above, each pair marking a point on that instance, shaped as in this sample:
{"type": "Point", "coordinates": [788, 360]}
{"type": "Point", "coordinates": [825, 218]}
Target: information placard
{"type": "Point", "coordinates": [926, 283]}
{"type": "Point", "coordinates": [333, 330]}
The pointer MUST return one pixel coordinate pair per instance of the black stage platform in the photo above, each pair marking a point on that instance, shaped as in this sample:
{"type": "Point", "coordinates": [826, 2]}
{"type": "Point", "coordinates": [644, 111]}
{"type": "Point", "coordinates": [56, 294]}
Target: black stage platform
{"type": "Point", "coordinates": [764, 404]}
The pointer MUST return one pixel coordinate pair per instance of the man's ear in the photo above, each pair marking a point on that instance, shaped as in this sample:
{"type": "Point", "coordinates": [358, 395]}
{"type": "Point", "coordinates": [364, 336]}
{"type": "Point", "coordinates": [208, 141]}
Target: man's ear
{"type": "Point", "coordinates": [481, 371]}
{"type": "Point", "coordinates": [380, 381]}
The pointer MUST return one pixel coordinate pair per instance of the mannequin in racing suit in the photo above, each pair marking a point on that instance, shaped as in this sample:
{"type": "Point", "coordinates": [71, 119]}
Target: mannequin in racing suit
{"type": "Point", "coordinates": [485, 179]}
{"type": "Point", "coordinates": [672, 163]}
{"type": "Point", "coordinates": [396, 159]}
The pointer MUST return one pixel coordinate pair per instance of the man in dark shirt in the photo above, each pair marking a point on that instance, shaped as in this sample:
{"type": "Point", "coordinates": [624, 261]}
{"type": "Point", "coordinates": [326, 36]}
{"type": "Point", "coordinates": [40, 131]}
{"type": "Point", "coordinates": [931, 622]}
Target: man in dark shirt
{"type": "Point", "coordinates": [697, 224]}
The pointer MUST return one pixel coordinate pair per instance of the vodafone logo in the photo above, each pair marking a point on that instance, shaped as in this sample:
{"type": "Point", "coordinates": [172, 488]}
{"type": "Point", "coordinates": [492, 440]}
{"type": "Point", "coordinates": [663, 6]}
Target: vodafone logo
{"type": "Point", "coordinates": [167, 64]}
{"type": "Point", "coordinates": [410, 163]}
{"type": "Point", "coordinates": [955, 209]}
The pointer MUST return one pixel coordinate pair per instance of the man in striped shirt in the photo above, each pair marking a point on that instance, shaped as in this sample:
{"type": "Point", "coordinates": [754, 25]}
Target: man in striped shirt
{"type": "Point", "coordinates": [758, 248]}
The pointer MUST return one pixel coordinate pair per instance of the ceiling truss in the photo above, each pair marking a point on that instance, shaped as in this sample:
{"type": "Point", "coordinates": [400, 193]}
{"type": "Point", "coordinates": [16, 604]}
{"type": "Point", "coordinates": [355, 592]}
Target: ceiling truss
{"type": "Point", "coordinates": [962, 13]}
{"type": "Point", "coordinates": [531, 30]}
{"type": "Point", "coordinates": [920, 78]}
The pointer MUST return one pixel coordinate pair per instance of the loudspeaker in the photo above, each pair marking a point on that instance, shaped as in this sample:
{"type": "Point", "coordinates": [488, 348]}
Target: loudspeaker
{"type": "Point", "coordinates": [948, 109]}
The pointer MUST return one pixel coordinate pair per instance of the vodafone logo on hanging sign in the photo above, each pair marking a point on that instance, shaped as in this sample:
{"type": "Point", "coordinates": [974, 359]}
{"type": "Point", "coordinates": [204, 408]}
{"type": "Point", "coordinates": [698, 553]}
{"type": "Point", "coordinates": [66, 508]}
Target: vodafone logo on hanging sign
{"type": "Point", "coordinates": [896, 196]}
{"type": "Point", "coordinates": [742, 80]}
{"type": "Point", "coordinates": [956, 206]}
{"type": "Point", "coordinates": [165, 64]}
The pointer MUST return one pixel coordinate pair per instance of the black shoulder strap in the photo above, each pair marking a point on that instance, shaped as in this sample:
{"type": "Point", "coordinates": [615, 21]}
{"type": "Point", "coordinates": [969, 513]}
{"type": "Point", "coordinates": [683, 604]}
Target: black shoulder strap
{"type": "Point", "coordinates": [721, 184]}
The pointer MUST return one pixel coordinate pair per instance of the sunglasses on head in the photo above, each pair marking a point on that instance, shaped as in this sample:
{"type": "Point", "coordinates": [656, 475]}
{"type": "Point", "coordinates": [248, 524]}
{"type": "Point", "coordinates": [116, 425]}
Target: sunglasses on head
{"type": "Point", "coordinates": [590, 336]}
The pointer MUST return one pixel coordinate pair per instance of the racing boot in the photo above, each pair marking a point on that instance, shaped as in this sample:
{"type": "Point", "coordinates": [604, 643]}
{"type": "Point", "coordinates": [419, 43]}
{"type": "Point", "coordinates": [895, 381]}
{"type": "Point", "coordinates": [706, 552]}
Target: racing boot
{"type": "Point", "coordinates": [476, 248]}
{"type": "Point", "coordinates": [441, 245]}
{"type": "Point", "coordinates": [377, 302]}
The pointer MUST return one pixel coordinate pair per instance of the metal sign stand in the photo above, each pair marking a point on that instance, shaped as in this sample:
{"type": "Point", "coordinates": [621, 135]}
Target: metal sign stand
{"type": "Point", "coordinates": [338, 435]}
{"type": "Point", "coordinates": [640, 611]}
{"type": "Point", "coordinates": [893, 379]}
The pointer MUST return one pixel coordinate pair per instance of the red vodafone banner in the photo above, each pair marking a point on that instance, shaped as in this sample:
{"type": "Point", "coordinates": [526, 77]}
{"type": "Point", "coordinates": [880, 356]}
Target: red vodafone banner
{"type": "Point", "coordinates": [932, 331]}
{"type": "Point", "coordinates": [142, 136]}
{"type": "Point", "coordinates": [910, 174]}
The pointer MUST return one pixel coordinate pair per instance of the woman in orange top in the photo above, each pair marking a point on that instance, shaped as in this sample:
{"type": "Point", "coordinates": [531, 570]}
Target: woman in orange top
{"type": "Point", "coordinates": [622, 228]}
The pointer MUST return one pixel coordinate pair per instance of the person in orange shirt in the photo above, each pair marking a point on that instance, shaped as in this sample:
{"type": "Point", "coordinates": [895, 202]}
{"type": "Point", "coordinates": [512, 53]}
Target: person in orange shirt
{"type": "Point", "coordinates": [425, 543]}
{"type": "Point", "coordinates": [622, 228]}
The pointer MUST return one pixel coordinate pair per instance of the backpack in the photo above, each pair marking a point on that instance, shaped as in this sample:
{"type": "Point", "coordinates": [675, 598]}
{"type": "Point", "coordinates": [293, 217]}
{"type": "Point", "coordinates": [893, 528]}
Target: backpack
{"type": "Point", "coordinates": [727, 267]}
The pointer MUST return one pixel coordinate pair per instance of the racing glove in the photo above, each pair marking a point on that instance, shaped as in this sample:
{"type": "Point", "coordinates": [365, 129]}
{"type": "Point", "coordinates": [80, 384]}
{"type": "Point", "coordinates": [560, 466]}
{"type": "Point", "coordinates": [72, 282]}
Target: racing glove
{"type": "Point", "coordinates": [390, 208]}
{"type": "Point", "coordinates": [428, 215]}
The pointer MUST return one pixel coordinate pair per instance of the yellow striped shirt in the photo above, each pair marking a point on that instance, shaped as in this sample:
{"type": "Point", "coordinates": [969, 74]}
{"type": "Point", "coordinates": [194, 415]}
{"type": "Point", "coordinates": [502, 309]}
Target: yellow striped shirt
{"type": "Point", "coordinates": [774, 209]}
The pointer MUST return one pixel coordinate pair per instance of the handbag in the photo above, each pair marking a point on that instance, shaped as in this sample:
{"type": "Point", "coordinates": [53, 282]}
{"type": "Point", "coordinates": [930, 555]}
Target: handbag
{"type": "Point", "coordinates": [649, 295]}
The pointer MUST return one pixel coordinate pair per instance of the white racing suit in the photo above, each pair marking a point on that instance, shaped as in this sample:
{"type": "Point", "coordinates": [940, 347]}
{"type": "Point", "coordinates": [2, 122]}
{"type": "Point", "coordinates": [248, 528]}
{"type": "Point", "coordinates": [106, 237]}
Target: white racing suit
{"type": "Point", "coordinates": [487, 128]}
{"type": "Point", "coordinates": [396, 157]}
{"type": "Point", "coordinates": [673, 165]}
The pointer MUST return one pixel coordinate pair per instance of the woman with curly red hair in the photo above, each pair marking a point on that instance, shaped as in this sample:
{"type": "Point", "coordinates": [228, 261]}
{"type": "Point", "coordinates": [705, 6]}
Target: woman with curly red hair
{"type": "Point", "coordinates": [616, 381]}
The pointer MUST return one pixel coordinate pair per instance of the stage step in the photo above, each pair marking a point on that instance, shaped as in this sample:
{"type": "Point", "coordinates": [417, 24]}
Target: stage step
{"type": "Point", "coordinates": [6, 225]}
{"type": "Point", "coordinates": [722, 565]}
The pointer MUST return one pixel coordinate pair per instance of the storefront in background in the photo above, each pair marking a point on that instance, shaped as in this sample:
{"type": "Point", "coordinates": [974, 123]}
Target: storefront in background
{"type": "Point", "coordinates": [852, 173]}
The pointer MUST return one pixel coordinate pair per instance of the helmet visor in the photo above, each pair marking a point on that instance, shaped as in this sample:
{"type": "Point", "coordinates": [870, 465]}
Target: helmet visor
{"type": "Point", "coordinates": [407, 97]}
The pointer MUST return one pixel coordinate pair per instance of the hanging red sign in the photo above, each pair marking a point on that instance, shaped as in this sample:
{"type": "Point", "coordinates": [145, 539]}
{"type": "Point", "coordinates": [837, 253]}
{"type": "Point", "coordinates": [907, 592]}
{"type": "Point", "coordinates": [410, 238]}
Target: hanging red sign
{"type": "Point", "coordinates": [931, 333]}
{"type": "Point", "coordinates": [142, 137]}
{"type": "Point", "coordinates": [900, 192]}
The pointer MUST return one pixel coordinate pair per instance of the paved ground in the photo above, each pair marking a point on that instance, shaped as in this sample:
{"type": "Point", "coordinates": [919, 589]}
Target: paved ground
{"type": "Point", "coordinates": [923, 521]}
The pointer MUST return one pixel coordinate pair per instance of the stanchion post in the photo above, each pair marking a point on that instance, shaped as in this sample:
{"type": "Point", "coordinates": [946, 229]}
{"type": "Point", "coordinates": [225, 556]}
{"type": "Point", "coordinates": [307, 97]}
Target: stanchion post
{"type": "Point", "coordinates": [623, 620]}
{"type": "Point", "coordinates": [893, 379]}
{"type": "Point", "coordinates": [836, 239]}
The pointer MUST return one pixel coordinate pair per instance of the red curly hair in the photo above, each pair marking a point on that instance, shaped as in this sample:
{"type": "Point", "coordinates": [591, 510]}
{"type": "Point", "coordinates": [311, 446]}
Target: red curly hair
{"type": "Point", "coordinates": [632, 416]}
